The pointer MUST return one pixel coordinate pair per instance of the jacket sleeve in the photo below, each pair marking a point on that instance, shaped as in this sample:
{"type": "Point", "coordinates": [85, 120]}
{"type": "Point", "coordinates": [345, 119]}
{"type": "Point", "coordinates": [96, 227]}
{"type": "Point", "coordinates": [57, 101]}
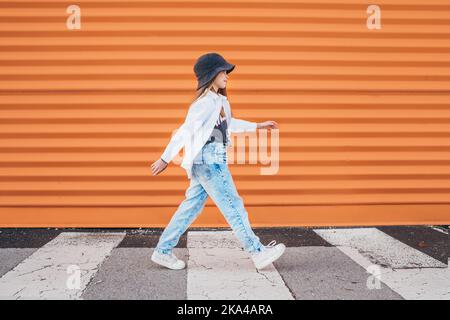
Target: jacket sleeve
{"type": "Point", "coordinates": [196, 113]}
{"type": "Point", "coordinates": [239, 125]}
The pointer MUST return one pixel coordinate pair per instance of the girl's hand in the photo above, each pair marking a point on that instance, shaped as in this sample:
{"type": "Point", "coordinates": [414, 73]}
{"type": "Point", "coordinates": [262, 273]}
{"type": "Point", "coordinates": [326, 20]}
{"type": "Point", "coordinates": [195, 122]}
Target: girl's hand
{"type": "Point", "coordinates": [158, 166]}
{"type": "Point", "coordinates": [267, 125]}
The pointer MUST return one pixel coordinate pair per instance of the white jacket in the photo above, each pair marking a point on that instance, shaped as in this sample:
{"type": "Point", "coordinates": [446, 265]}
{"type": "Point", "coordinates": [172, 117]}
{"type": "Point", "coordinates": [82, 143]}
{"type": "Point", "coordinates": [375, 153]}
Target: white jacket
{"type": "Point", "coordinates": [198, 126]}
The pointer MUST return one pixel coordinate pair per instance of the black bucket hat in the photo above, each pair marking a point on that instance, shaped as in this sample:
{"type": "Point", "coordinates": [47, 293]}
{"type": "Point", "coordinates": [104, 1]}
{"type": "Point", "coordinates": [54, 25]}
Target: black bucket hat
{"type": "Point", "coordinates": [208, 66]}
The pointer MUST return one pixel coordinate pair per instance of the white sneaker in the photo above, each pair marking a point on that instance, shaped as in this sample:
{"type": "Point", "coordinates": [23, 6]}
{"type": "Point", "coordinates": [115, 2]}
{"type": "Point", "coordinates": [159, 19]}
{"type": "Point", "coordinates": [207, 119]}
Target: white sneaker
{"type": "Point", "coordinates": [268, 254]}
{"type": "Point", "coordinates": [168, 260]}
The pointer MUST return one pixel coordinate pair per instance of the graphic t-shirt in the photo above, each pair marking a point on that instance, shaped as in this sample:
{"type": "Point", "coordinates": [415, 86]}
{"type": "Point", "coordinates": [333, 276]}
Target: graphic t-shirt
{"type": "Point", "coordinates": [219, 133]}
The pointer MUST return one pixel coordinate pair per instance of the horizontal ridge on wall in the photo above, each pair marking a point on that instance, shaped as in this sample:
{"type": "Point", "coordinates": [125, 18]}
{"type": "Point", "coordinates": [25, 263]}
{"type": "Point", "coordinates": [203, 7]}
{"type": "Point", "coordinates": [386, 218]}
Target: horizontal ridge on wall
{"type": "Point", "coordinates": [364, 114]}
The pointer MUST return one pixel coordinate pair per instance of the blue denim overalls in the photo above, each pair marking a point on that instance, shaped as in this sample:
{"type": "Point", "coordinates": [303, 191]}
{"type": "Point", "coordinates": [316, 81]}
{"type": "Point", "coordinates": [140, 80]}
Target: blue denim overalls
{"type": "Point", "coordinates": [210, 176]}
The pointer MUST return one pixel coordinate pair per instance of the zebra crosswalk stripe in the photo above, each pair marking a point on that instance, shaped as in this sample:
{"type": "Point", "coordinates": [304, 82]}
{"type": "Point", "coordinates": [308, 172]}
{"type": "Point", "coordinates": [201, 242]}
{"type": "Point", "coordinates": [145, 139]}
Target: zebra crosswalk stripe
{"type": "Point", "coordinates": [409, 272]}
{"type": "Point", "coordinates": [218, 268]}
{"type": "Point", "coordinates": [61, 269]}
{"type": "Point", "coordinates": [381, 247]}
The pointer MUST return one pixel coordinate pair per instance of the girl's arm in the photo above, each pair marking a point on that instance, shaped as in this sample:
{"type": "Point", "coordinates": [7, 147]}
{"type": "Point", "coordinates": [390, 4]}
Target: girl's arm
{"type": "Point", "coordinates": [239, 125]}
{"type": "Point", "coordinates": [196, 112]}
{"type": "Point", "coordinates": [175, 144]}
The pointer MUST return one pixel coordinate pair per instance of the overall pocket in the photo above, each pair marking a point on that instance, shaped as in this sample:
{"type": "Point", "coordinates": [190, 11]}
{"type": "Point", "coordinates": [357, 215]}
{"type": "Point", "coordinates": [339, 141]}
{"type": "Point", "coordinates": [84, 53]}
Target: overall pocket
{"type": "Point", "coordinates": [220, 153]}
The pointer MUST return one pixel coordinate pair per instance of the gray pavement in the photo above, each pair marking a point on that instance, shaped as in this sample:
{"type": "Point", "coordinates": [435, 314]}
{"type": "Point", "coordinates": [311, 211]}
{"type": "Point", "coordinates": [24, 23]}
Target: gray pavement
{"type": "Point", "coordinates": [384, 263]}
{"type": "Point", "coordinates": [130, 274]}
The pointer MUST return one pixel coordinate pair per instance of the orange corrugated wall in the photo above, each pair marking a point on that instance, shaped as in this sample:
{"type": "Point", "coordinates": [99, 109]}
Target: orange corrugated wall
{"type": "Point", "coordinates": [364, 114]}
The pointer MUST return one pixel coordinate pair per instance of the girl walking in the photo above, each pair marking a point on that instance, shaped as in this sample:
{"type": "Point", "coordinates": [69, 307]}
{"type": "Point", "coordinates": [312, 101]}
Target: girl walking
{"type": "Point", "coordinates": [205, 136]}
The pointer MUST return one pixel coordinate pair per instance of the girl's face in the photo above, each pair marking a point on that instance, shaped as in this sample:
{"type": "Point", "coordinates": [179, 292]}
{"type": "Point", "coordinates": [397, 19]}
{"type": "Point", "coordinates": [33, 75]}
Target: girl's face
{"type": "Point", "coordinates": [221, 80]}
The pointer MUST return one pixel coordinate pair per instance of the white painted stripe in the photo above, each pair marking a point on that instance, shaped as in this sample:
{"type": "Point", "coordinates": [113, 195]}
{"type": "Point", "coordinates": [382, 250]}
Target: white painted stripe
{"type": "Point", "coordinates": [44, 274]}
{"type": "Point", "coordinates": [218, 268]}
{"type": "Point", "coordinates": [379, 247]}
{"type": "Point", "coordinates": [440, 230]}
{"type": "Point", "coordinates": [411, 283]}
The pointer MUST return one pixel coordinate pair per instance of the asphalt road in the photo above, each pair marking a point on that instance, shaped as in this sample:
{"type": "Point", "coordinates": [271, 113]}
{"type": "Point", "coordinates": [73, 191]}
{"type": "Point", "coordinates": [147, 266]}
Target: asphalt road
{"type": "Point", "coordinates": [408, 262]}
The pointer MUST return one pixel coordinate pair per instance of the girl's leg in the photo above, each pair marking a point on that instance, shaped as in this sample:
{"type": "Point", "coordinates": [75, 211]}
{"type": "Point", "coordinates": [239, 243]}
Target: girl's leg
{"type": "Point", "coordinates": [217, 181]}
{"type": "Point", "coordinates": [186, 213]}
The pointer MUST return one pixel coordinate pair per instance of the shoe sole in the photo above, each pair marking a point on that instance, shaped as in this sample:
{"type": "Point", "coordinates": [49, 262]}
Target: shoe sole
{"type": "Point", "coordinates": [271, 260]}
{"type": "Point", "coordinates": [161, 263]}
